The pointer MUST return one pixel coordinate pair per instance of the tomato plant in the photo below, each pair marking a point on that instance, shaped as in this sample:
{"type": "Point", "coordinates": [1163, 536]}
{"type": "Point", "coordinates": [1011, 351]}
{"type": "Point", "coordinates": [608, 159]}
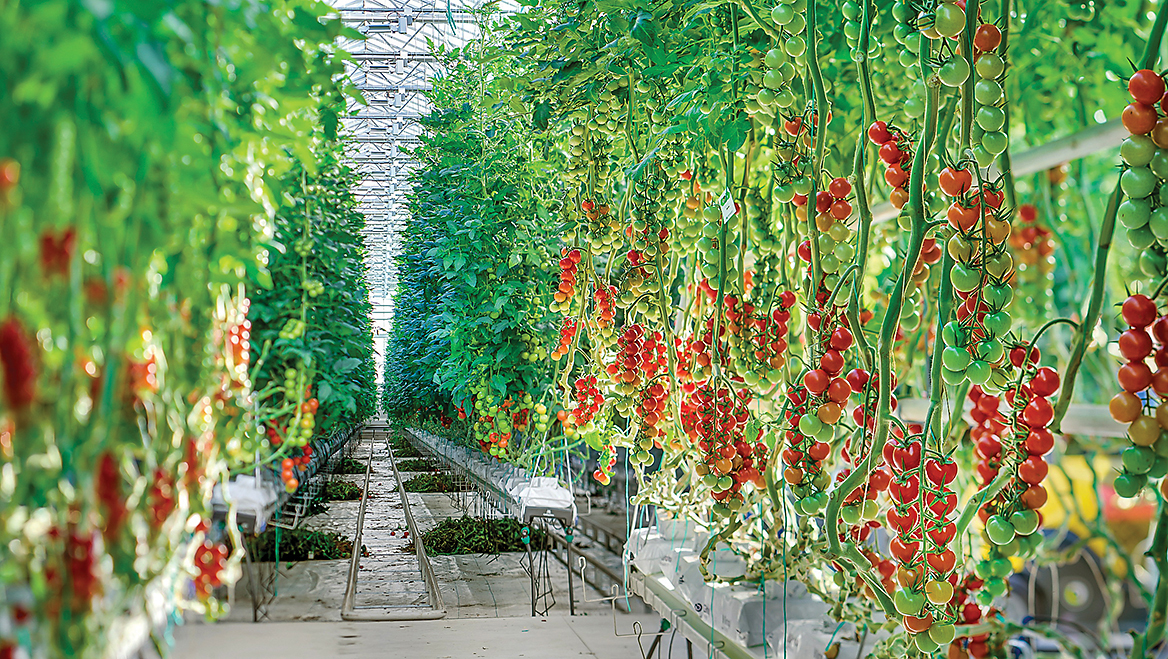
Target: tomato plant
{"type": "Point", "coordinates": [135, 199]}
{"type": "Point", "coordinates": [736, 323]}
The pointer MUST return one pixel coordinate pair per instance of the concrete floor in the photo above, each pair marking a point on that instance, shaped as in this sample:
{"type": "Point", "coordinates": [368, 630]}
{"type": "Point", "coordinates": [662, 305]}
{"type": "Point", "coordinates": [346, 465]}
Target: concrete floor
{"type": "Point", "coordinates": [552, 637]}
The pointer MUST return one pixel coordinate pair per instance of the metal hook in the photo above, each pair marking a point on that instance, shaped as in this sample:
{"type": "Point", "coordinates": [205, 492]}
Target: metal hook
{"type": "Point", "coordinates": [583, 562]}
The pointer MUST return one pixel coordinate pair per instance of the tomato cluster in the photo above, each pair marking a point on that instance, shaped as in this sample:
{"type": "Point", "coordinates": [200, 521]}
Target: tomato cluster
{"type": "Point", "coordinates": [974, 347]}
{"type": "Point", "coordinates": [988, 131]}
{"type": "Point", "coordinates": [729, 460]}
{"type": "Point", "coordinates": [600, 228]}
{"type": "Point", "coordinates": [587, 400]}
{"type": "Point", "coordinates": [897, 158]}
{"type": "Point", "coordinates": [567, 334]}
{"type": "Point", "coordinates": [1033, 250]}
{"type": "Point", "coordinates": [210, 560]}
{"type": "Point", "coordinates": [16, 359]}
{"type": "Point", "coordinates": [1147, 456]}
{"type": "Point", "coordinates": [569, 264]}
{"type": "Point", "coordinates": [1145, 154]}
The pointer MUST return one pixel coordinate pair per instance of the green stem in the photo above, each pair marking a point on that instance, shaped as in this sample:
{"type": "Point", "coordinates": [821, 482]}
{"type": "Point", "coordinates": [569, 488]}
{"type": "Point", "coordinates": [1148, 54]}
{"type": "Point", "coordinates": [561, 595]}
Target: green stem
{"type": "Point", "coordinates": [1094, 308]}
{"type": "Point", "coordinates": [818, 142]}
{"type": "Point", "coordinates": [862, 207]}
{"type": "Point", "coordinates": [936, 384]}
{"type": "Point", "coordinates": [971, 12]}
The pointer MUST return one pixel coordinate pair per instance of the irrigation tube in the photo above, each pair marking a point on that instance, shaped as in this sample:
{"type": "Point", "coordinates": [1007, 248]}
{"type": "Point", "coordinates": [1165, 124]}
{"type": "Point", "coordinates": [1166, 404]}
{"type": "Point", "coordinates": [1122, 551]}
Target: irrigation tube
{"type": "Point", "coordinates": [347, 607]}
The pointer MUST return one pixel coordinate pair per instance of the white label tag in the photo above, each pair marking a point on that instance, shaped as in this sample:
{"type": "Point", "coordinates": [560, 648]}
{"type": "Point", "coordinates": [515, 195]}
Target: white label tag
{"type": "Point", "coordinates": [729, 208]}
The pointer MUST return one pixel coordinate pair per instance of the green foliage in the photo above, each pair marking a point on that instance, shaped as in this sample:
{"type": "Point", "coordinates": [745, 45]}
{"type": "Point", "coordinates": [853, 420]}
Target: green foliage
{"type": "Point", "coordinates": [300, 545]}
{"type": "Point", "coordinates": [349, 466]}
{"type": "Point", "coordinates": [416, 466]}
{"type": "Point", "coordinates": [474, 275]}
{"type": "Point", "coordinates": [402, 448]}
{"type": "Point", "coordinates": [478, 535]}
{"type": "Point", "coordinates": [143, 151]}
{"type": "Point", "coordinates": [338, 490]}
{"type": "Point", "coordinates": [316, 261]}
{"type": "Point", "coordinates": [436, 482]}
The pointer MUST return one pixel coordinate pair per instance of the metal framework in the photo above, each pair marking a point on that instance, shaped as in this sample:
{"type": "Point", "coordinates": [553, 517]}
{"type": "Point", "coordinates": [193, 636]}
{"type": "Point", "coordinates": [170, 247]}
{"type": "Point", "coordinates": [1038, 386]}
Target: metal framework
{"type": "Point", "coordinates": [393, 66]}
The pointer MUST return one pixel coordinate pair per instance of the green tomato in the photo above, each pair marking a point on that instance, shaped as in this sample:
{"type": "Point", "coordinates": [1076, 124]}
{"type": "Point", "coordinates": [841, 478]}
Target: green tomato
{"type": "Point", "coordinates": [1129, 485]}
{"type": "Point", "coordinates": [953, 334]}
{"type": "Point", "coordinates": [998, 295]}
{"type": "Point", "coordinates": [795, 46]}
{"type": "Point", "coordinates": [999, 530]}
{"type": "Point", "coordinates": [989, 65]}
{"type": "Point", "coordinates": [1153, 263]}
{"type": "Point", "coordinates": [772, 79]}
{"type": "Point", "coordinates": [995, 142]}
{"type": "Point", "coordinates": [954, 72]}
{"type": "Point", "coordinates": [782, 14]}
{"type": "Point", "coordinates": [996, 586]}
{"type": "Point", "coordinates": [997, 323]}
{"type": "Point", "coordinates": [1141, 238]}
{"type": "Point", "coordinates": [1159, 164]}
{"type": "Point", "coordinates": [1138, 459]}
{"type": "Point", "coordinates": [1025, 522]}
{"type": "Point", "coordinates": [925, 643]}
{"type": "Point", "coordinates": [1159, 468]}
{"type": "Point", "coordinates": [1134, 213]}
{"type": "Point", "coordinates": [955, 359]}
{"type": "Point", "coordinates": [949, 21]}
{"type": "Point", "coordinates": [1138, 182]}
{"type": "Point", "coordinates": [850, 515]}
{"type": "Point", "coordinates": [942, 634]}
{"type": "Point", "coordinates": [978, 371]}
{"type": "Point", "coordinates": [1138, 150]}
{"type": "Point", "coordinates": [987, 92]}
{"type": "Point", "coordinates": [775, 57]}
{"type": "Point", "coordinates": [990, 350]}
{"type": "Point", "coordinates": [907, 602]}
{"type": "Point", "coordinates": [914, 107]}
{"type": "Point", "coordinates": [990, 117]}
{"type": "Point", "coordinates": [965, 278]}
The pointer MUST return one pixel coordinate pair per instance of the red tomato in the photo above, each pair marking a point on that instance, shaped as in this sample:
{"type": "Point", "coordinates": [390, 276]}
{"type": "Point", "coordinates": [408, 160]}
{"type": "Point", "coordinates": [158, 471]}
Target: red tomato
{"type": "Point", "coordinates": [1033, 470]}
{"type": "Point", "coordinates": [955, 182]}
{"type": "Point", "coordinates": [987, 37]}
{"type": "Point", "coordinates": [1135, 344]}
{"type": "Point", "coordinates": [1146, 86]}
{"type": "Point", "coordinates": [1139, 119]}
{"type": "Point", "coordinates": [896, 177]}
{"type": "Point", "coordinates": [817, 381]}
{"type": "Point", "coordinates": [1045, 382]}
{"type": "Point", "coordinates": [878, 132]}
{"type": "Point", "coordinates": [839, 187]}
{"type": "Point", "coordinates": [1139, 310]}
{"type": "Point", "coordinates": [832, 362]}
{"type": "Point", "coordinates": [1135, 376]}
{"type": "Point", "coordinates": [1039, 442]}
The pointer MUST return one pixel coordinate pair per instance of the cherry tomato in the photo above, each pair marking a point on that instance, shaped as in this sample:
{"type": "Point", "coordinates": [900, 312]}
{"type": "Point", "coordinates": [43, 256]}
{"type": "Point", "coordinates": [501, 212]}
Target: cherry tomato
{"type": "Point", "coordinates": [1033, 470]}
{"type": "Point", "coordinates": [987, 37]}
{"type": "Point", "coordinates": [1146, 86]}
{"type": "Point", "coordinates": [1139, 119]}
{"type": "Point", "coordinates": [1139, 310]}
{"type": "Point", "coordinates": [955, 182]}
{"type": "Point", "coordinates": [1135, 376]}
{"type": "Point", "coordinates": [1135, 344]}
{"type": "Point", "coordinates": [1045, 382]}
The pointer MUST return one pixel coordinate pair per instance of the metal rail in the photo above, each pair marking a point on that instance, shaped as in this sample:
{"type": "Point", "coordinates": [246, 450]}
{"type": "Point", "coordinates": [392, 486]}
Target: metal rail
{"type": "Point", "coordinates": [348, 611]}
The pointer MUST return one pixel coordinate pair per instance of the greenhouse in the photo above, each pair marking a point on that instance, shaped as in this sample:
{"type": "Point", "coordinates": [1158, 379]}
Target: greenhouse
{"type": "Point", "coordinates": [417, 329]}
